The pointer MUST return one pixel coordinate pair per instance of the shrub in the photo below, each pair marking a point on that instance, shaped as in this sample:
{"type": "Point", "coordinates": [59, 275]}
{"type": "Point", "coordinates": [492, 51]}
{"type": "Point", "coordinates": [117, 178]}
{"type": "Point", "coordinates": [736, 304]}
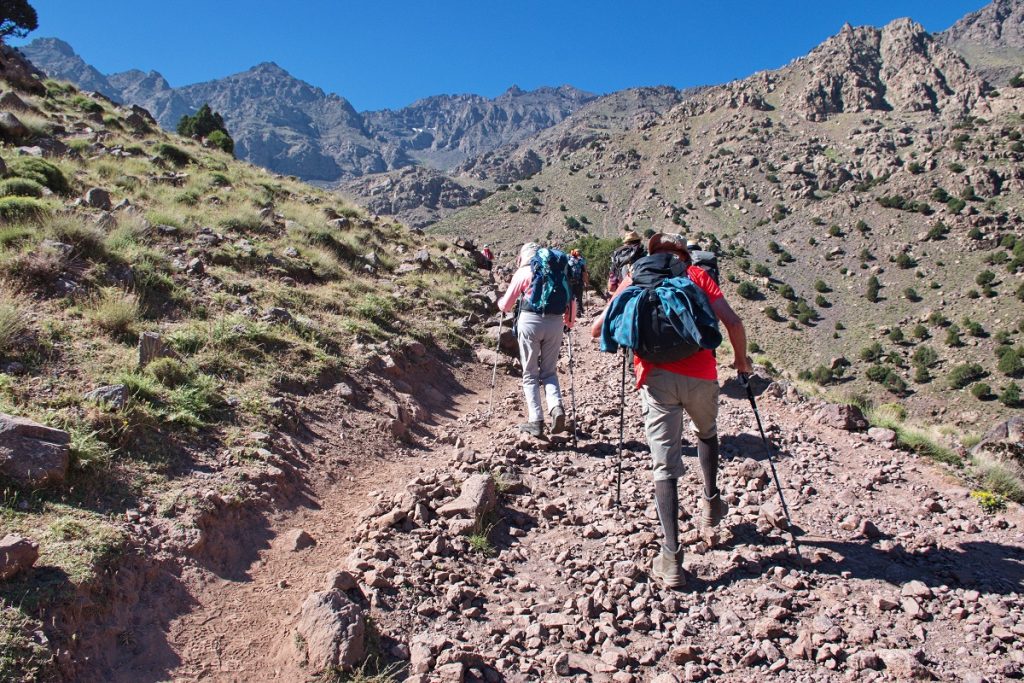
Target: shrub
{"type": "Point", "coordinates": [747, 290]}
{"type": "Point", "coordinates": [20, 187]}
{"type": "Point", "coordinates": [174, 155]}
{"type": "Point", "coordinates": [41, 171]}
{"type": "Point", "coordinates": [871, 353]}
{"type": "Point", "coordinates": [924, 356]}
{"type": "Point", "coordinates": [896, 335]}
{"type": "Point", "coordinates": [170, 372]}
{"type": "Point", "coordinates": [985, 277]}
{"type": "Point", "coordinates": [821, 301]}
{"type": "Point", "coordinates": [114, 311]}
{"type": "Point", "coordinates": [1010, 363]}
{"type": "Point", "coordinates": [1010, 397]}
{"type": "Point", "coordinates": [22, 209]}
{"type": "Point", "coordinates": [919, 331]}
{"type": "Point", "coordinates": [921, 375]}
{"type": "Point", "coordinates": [877, 373]}
{"type": "Point", "coordinates": [964, 374]}
{"type": "Point", "coordinates": [953, 336]}
{"type": "Point", "coordinates": [772, 313]}
{"type": "Point", "coordinates": [873, 289]}
{"type": "Point", "coordinates": [981, 391]}
{"type": "Point", "coordinates": [905, 260]}
{"type": "Point", "coordinates": [762, 270]}
{"type": "Point", "coordinates": [955, 205]}
{"type": "Point", "coordinates": [87, 239]}
{"type": "Point", "coordinates": [895, 384]}
{"type": "Point", "coordinates": [787, 292]}
{"type": "Point", "coordinates": [820, 286]}
{"type": "Point", "coordinates": [911, 294]}
{"type": "Point", "coordinates": [974, 328]}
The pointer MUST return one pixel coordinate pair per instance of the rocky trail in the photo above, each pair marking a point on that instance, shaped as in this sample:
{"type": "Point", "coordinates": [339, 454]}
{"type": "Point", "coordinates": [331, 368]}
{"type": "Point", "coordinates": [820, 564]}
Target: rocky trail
{"type": "Point", "coordinates": [474, 553]}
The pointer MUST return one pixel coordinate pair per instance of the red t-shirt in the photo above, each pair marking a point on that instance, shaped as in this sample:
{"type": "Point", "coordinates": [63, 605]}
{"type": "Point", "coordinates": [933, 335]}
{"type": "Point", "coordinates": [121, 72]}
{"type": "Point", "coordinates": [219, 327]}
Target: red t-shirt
{"type": "Point", "coordinates": [701, 365]}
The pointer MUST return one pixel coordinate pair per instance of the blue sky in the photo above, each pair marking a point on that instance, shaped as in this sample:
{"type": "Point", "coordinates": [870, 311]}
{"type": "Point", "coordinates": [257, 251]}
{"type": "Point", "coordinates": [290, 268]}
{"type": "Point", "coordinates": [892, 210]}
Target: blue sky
{"type": "Point", "coordinates": [388, 53]}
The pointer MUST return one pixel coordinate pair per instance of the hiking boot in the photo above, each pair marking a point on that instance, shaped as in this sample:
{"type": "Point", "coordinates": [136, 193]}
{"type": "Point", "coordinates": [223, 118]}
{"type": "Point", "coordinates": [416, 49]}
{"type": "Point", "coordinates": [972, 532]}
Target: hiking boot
{"type": "Point", "coordinates": [715, 509]}
{"type": "Point", "coordinates": [533, 428]}
{"type": "Point", "coordinates": [668, 568]}
{"type": "Point", "coordinates": [558, 420]}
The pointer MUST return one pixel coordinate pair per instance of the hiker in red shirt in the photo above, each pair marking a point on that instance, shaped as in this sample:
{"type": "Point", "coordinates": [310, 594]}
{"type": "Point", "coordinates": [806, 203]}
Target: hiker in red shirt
{"type": "Point", "coordinates": [669, 390]}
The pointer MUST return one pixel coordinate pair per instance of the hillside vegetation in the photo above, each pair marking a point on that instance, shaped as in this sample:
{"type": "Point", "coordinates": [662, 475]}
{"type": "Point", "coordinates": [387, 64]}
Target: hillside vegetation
{"type": "Point", "coordinates": [255, 286]}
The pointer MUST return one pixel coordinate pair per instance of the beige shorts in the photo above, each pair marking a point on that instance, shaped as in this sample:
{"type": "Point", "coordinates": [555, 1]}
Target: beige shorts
{"type": "Point", "coordinates": [666, 396]}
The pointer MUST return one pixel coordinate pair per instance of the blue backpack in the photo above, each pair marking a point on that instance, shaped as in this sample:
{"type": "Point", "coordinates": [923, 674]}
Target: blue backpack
{"type": "Point", "coordinates": [549, 291]}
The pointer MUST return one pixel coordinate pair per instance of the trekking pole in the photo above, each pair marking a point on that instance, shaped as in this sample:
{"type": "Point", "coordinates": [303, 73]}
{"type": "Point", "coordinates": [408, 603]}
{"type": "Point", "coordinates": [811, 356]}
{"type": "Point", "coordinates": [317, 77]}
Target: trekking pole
{"type": "Point", "coordinates": [494, 372]}
{"type": "Point", "coordinates": [745, 383]}
{"type": "Point", "coordinates": [622, 431]}
{"type": "Point", "coordinates": [572, 391]}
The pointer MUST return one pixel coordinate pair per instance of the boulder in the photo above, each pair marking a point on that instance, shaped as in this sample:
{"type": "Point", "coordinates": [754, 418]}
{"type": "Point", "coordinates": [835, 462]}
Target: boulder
{"type": "Point", "coordinates": [882, 435]}
{"type": "Point", "coordinates": [115, 396]}
{"type": "Point", "coordinates": [98, 198]}
{"type": "Point", "coordinates": [11, 102]}
{"type": "Point", "coordinates": [1004, 442]}
{"type": "Point", "coordinates": [846, 417]}
{"type": "Point", "coordinates": [333, 632]}
{"type": "Point", "coordinates": [151, 347]}
{"type": "Point", "coordinates": [296, 540]}
{"type": "Point", "coordinates": [32, 454]}
{"type": "Point", "coordinates": [17, 554]}
{"type": "Point", "coordinates": [478, 497]}
{"type": "Point", "coordinates": [12, 129]}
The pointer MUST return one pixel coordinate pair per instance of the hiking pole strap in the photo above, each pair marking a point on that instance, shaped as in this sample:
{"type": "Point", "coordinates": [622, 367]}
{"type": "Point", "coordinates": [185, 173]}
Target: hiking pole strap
{"type": "Point", "coordinates": [745, 382]}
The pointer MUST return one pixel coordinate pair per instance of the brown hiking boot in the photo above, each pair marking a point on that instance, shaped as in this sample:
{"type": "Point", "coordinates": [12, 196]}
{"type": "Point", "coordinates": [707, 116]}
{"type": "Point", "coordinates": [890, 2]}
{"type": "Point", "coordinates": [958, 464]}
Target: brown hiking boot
{"type": "Point", "coordinates": [668, 568]}
{"type": "Point", "coordinates": [715, 510]}
{"type": "Point", "coordinates": [533, 428]}
{"type": "Point", "coordinates": [557, 420]}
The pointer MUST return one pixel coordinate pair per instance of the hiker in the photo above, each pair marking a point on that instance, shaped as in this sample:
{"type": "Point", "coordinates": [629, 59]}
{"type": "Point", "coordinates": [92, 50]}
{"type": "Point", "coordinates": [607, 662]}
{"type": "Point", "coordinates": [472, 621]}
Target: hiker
{"type": "Point", "coordinates": [547, 307]}
{"type": "Point", "coordinates": [579, 278]}
{"type": "Point", "coordinates": [489, 255]}
{"type": "Point", "coordinates": [632, 249]}
{"type": "Point", "coordinates": [671, 387]}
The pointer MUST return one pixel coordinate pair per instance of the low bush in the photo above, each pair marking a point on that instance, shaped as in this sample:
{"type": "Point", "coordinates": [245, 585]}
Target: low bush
{"type": "Point", "coordinates": [20, 187]}
{"type": "Point", "coordinates": [174, 155]}
{"type": "Point", "coordinates": [965, 374]}
{"type": "Point", "coordinates": [22, 210]}
{"type": "Point", "coordinates": [41, 171]}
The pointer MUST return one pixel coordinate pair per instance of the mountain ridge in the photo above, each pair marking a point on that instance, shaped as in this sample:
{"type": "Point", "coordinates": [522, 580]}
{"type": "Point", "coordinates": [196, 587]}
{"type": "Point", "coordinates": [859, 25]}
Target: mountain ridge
{"type": "Point", "coordinates": [296, 128]}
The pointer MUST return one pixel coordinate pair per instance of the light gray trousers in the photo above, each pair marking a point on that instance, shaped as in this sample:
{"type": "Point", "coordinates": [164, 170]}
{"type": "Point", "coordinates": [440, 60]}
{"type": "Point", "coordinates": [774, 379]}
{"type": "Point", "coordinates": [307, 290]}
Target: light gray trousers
{"type": "Point", "coordinates": [540, 342]}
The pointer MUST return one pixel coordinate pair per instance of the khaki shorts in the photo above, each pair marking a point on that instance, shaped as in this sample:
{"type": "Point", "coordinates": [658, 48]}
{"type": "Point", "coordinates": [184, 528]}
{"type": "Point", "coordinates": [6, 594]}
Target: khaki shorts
{"type": "Point", "coordinates": [666, 396]}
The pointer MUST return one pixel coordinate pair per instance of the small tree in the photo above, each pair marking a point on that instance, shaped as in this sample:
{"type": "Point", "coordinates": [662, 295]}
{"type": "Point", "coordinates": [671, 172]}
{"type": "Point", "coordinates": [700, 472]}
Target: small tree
{"type": "Point", "coordinates": [1010, 396]}
{"type": "Point", "coordinates": [1010, 363]}
{"type": "Point", "coordinates": [981, 391]}
{"type": "Point", "coordinates": [747, 290]}
{"type": "Point", "coordinates": [17, 18]}
{"type": "Point", "coordinates": [873, 288]}
{"type": "Point", "coordinates": [896, 335]}
{"type": "Point", "coordinates": [203, 124]}
{"type": "Point", "coordinates": [953, 336]}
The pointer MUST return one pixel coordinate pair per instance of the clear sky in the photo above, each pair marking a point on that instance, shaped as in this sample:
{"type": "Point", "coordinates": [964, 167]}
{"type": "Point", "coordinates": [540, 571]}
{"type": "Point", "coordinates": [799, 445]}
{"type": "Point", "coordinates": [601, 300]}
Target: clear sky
{"type": "Point", "coordinates": [388, 53]}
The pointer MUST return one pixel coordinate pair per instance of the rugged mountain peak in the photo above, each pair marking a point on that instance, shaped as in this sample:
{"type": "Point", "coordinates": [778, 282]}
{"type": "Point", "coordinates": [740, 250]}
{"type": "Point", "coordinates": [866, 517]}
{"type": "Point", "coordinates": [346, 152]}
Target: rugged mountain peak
{"type": "Point", "coordinates": [900, 66]}
{"type": "Point", "coordinates": [269, 69]}
{"type": "Point", "coordinates": [998, 23]}
{"type": "Point", "coordinates": [514, 90]}
{"type": "Point", "coordinates": [991, 39]}
{"type": "Point", "coordinates": [59, 60]}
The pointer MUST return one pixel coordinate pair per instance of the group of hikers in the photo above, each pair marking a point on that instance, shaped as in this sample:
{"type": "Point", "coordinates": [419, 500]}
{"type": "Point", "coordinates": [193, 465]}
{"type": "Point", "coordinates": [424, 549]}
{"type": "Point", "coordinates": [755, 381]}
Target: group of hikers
{"type": "Point", "coordinates": [664, 307]}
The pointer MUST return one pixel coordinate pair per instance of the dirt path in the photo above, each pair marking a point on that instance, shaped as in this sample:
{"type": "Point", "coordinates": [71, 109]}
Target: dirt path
{"type": "Point", "coordinates": [902, 574]}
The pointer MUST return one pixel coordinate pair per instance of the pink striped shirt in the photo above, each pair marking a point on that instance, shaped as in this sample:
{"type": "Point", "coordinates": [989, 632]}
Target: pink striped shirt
{"type": "Point", "coordinates": [520, 286]}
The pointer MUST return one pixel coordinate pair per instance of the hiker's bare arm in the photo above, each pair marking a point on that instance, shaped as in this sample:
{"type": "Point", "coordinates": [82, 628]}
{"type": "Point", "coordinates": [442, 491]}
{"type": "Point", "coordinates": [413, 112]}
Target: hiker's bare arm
{"type": "Point", "coordinates": [737, 333]}
{"type": "Point", "coordinates": [595, 329]}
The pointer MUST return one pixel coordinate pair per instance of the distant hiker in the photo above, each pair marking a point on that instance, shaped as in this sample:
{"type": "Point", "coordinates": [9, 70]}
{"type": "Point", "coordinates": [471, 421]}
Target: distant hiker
{"type": "Point", "coordinates": [547, 306]}
{"type": "Point", "coordinates": [667, 312]}
{"type": "Point", "coordinates": [632, 249]}
{"type": "Point", "coordinates": [579, 278]}
{"type": "Point", "coordinates": [489, 255]}
{"type": "Point", "coordinates": [705, 260]}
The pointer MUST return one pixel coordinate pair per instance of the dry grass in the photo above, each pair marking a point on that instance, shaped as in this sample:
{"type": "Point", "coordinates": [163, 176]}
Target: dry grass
{"type": "Point", "coordinates": [114, 311]}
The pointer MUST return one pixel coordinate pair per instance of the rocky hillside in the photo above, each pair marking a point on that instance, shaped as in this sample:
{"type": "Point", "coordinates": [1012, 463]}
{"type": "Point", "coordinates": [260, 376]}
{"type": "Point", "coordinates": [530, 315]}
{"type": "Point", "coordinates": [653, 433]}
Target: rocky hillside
{"type": "Point", "coordinates": [163, 308]}
{"type": "Point", "coordinates": [868, 193]}
{"type": "Point", "coordinates": [292, 127]}
{"type": "Point", "coordinates": [421, 197]}
{"type": "Point", "coordinates": [991, 40]}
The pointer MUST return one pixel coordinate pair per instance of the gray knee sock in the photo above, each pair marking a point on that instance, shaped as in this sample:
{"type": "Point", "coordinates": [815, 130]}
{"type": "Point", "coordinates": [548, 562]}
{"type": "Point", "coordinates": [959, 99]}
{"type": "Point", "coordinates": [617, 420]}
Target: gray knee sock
{"type": "Point", "coordinates": [667, 502]}
{"type": "Point", "coordinates": [707, 454]}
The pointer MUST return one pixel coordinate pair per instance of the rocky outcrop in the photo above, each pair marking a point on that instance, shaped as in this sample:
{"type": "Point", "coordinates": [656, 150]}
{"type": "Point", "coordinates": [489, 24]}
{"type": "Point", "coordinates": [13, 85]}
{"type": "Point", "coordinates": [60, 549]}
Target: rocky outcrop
{"type": "Point", "coordinates": [1004, 442]}
{"type": "Point", "coordinates": [32, 454]}
{"type": "Point", "coordinates": [418, 196]}
{"type": "Point", "coordinates": [898, 67]}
